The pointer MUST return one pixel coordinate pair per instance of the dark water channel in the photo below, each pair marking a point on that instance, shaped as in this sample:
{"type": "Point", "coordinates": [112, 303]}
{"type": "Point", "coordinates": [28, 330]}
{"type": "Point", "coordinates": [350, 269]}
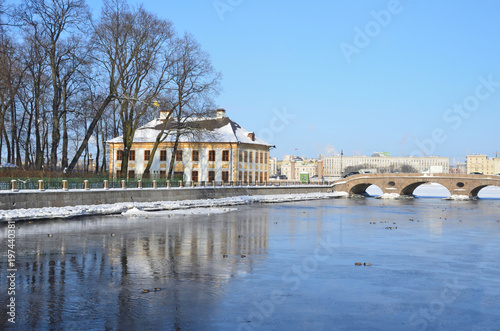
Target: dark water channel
{"type": "Point", "coordinates": [434, 265]}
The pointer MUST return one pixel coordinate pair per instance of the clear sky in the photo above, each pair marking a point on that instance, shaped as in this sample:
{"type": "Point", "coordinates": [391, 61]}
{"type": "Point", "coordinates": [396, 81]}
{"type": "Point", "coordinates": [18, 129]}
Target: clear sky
{"type": "Point", "coordinates": [317, 77]}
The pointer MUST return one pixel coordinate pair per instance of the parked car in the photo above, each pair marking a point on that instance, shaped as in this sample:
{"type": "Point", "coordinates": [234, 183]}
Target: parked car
{"type": "Point", "coordinates": [282, 177]}
{"type": "Point", "coordinates": [476, 173]}
{"type": "Point", "coordinates": [352, 173]}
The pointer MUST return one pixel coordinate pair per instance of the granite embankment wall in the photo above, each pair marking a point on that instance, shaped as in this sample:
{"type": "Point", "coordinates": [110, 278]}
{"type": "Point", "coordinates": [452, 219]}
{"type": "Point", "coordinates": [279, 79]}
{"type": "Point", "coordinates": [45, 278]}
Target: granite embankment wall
{"type": "Point", "coordinates": [53, 198]}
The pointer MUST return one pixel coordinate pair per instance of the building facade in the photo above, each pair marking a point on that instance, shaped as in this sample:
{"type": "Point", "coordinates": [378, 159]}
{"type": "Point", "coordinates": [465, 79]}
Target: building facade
{"type": "Point", "coordinates": [292, 166]}
{"type": "Point", "coordinates": [482, 164]}
{"type": "Point", "coordinates": [218, 149]}
{"type": "Point", "coordinates": [334, 165]}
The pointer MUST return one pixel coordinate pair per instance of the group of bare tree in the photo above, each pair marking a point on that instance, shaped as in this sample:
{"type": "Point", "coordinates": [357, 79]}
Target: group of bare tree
{"type": "Point", "coordinates": [68, 81]}
{"type": "Point", "coordinates": [392, 168]}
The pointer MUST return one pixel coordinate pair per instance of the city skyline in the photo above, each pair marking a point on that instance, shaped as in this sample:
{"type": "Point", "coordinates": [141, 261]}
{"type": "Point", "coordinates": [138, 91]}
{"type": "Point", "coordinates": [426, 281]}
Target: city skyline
{"type": "Point", "coordinates": [405, 77]}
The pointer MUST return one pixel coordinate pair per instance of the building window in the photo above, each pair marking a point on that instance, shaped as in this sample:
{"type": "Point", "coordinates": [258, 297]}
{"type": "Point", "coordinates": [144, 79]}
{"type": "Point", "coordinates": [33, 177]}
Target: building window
{"type": "Point", "coordinates": [178, 175]}
{"type": "Point", "coordinates": [261, 177]}
{"type": "Point", "coordinates": [246, 156]}
{"type": "Point", "coordinates": [240, 176]}
{"type": "Point", "coordinates": [211, 176]}
{"type": "Point", "coordinates": [194, 176]}
{"type": "Point", "coordinates": [250, 176]}
{"type": "Point", "coordinates": [131, 156]}
{"type": "Point", "coordinates": [163, 174]}
{"type": "Point", "coordinates": [195, 156]}
{"type": "Point", "coordinates": [178, 155]}
{"type": "Point", "coordinates": [118, 174]}
{"type": "Point", "coordinates": [261, 158]}
{"type": "Point", "coordinates": [265, 158]}
{"type": "Point", "coordinates": [240, 156]}
{"type": "Point", "coordinates": [131, 174]}
{"type": "Point", "coordinates": [251, 157]}
{"type": "Point", "coordinates": [225, 156]}
{"type": "Point", "coordinates": [147, 154]}
{"type": "Point", "coordinates": [211, 156]}
{"type": "Point", "coordinates": [245, 177]}
{"type": "Point", "coordinates": [119, 155]}
{"type": "Point", "coordinates": [163, 155]}
{"type": "Point", "coordinates": [257, 159]}
{"type": "Point", "coordinates": [225, 176]}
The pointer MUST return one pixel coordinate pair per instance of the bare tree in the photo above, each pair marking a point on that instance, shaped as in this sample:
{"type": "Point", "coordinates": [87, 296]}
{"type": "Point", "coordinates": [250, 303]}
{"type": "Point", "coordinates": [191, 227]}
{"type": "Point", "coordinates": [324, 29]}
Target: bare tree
{"type": "Point", "coordinates": [145, 70]}
{"type": "Point", "coordinates": [33, 96]}
{"type": "Point", "coordinates": [11, 78]}
{"type": "Point", "coordinates": [50, 21]}
{"type": "Point", "coordinates": [194, 82]}
{"type": "Point", "coordinates": [126, 50]}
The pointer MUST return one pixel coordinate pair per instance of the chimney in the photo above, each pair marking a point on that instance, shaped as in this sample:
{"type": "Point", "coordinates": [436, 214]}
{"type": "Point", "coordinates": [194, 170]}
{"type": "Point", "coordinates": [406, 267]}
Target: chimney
{"type": "Point", "coordinates": [164, 114]}
{"type": "Point", "coordinates": [221, 113]}
{"type": "Point", "coordinates": [251, 135]}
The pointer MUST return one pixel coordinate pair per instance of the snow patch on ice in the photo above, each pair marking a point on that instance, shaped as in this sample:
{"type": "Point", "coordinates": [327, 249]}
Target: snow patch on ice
{"type": "Point", "coordinates": [457, 197]}
{"type": "Point", "coordinates": [389, 196]}
{"type": "Point", "coordinates": [134, 212]}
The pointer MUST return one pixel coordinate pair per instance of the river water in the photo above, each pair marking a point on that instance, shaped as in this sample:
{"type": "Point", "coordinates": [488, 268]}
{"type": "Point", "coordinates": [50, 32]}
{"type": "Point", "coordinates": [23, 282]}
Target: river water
{"type": "Point", "coordinates": [430, 264]}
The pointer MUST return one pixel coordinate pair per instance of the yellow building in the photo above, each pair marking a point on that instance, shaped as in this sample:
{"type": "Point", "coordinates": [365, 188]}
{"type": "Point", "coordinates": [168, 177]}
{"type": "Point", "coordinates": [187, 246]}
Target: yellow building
{"type": "Point", "coordinates": [216, 149]}
{"type": "Point", "coordinates": [293, 166]}
{"type": "Point", "coordinates": [482, 164]}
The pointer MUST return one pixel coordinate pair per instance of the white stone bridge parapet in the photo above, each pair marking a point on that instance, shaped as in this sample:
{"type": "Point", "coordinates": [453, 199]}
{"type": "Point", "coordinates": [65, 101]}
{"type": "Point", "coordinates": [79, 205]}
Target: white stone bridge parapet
{"type": "Point", "coordinates": [405, 184]}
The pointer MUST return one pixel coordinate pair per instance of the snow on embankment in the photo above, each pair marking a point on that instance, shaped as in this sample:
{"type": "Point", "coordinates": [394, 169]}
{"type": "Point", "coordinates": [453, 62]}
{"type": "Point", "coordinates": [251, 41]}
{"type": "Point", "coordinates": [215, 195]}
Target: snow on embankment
{"type": "Point", "coordinates": [117, 208]}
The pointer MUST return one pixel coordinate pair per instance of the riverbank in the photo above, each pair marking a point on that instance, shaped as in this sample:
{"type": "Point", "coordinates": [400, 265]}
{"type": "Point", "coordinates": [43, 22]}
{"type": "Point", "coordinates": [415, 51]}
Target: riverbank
{"type": "Point", "coordinates": [122, 207]}
{"type": "Point", "coordinates": [61, 198]}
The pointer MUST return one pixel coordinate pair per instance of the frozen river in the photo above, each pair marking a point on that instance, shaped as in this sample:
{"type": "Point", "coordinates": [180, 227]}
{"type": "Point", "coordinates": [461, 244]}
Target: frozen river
{"type": "Point", "coordinates": [430, 264]}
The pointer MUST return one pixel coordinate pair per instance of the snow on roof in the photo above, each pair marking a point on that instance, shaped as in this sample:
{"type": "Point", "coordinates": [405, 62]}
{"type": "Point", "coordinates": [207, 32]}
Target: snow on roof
{"type": "Point", "coordinates": [205, 130]}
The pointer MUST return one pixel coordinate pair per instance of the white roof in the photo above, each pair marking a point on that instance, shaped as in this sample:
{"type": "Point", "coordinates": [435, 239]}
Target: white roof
{"type": "Point", "coordinates": [209, 130]}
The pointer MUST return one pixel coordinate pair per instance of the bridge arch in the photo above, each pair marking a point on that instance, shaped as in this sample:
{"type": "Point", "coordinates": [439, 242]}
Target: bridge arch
{"type": "Point", "coordinates": [362, 187]}
{"type": "Point", "coordinates": [433, 189]}
{"type": "Point", "coordinates": [410, 189]}
{"type": "Point", "coordinates": [475, 191]}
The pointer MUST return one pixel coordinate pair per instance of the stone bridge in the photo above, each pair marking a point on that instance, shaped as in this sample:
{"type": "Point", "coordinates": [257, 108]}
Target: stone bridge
{"type": "Point", "coordinates": [405, 184]}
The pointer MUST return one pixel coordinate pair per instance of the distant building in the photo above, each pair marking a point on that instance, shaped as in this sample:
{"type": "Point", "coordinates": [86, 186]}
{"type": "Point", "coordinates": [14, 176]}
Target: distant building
{"type": "Point", "coordinates": [481, 163]}
{"type": "Point", "coordinates": [334, 165]}
{"type": "Point", "coordinates": [459, 168]}
{"type": "Point", "coordinates": [274, 166]}
{"type": "Point", "coordinates": [220, 151]}
{"type": "Point", "coordinates": [292, 166]}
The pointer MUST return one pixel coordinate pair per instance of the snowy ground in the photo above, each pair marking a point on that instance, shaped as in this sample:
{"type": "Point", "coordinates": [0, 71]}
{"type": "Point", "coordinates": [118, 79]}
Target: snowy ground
{"type": "Point", "coordinates": [129, 208]}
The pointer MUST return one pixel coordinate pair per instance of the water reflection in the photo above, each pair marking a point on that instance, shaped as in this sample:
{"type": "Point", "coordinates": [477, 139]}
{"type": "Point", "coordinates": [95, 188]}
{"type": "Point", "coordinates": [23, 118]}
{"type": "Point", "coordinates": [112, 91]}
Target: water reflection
{"type": "Point", "coordinates": [216, 271]}
{"type": "Point", "coordinates": [93, 271]}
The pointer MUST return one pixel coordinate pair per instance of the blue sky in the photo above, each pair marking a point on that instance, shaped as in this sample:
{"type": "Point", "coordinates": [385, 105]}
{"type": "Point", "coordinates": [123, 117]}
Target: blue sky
{"type": "Point", "coordinates": [405, 77]}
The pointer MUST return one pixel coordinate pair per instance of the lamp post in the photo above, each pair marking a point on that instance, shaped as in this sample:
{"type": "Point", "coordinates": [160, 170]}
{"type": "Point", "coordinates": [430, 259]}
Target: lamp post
{"type": "Point", "coordinates": [341, 167]}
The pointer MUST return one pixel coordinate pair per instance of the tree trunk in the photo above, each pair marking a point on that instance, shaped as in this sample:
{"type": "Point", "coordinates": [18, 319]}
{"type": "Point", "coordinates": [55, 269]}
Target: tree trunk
{"type": "Point", "coordinates": [96, 158]}
{"type": "Point", "coordinates": [147, 171]}
{"type": "Point", "coordinates": [13, 131]}
{"type": "Point", "coordinates": [27, 143]}
{"type": "Point", "coordinates": [89, 132]}
{"type": "Point", "coordinates": [64, 156]}
{"type": "Point", "coordinates": [103, 141]}
{"type": "Point", "coordinates": [7, 144]}
{"type": "Point", "coordinates": [172, 158]}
